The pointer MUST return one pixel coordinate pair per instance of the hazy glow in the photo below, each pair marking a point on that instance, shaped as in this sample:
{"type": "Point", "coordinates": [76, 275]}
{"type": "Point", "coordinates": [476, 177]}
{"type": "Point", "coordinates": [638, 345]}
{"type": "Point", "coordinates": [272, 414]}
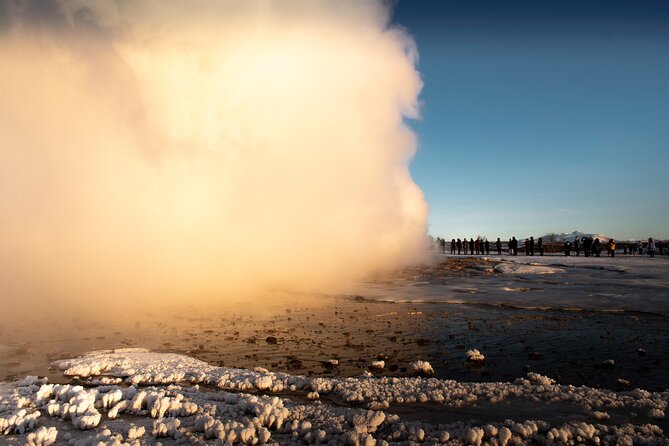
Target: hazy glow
{"type": "Point", "coordinates": [200, 149]}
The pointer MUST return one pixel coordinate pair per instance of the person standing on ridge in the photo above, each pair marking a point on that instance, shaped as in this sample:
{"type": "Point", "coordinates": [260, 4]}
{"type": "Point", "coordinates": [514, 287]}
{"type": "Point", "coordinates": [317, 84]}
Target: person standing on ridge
{"type": "Point", "coordinates": [540, 245]}
{"type": "Point", "coordinates": [471, 246]}
{"type": "Point", "coordinates": [486, 245]}
{"type": "Point", "coordinates": [577, 246]}
{"type": "Point", "coordinates": [596, 247]}
{"type": "Point", "coordinates": [452, 246]}
{"type": "Point", "coordinates": [458, 244]}
{"type": "Point", "coordinates": [498, 246]}
{"type": "Point", "coordinates": [531, 246]}
{"type": "Point", "coordinates": [611, 248]}
{"type": "Point", "coordinates": [465, 245]}
{"type": "Point", "coordinates": [651, 247]}
{"type": "Point", "coordinates": [567, 248]}
{"type": "Point", "coordinates": [586, 246]}
{"type": "Point", "coordinates": [515, 246]}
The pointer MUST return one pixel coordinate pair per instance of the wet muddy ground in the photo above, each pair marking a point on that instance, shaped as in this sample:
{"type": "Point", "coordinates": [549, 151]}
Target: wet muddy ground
{"type": "Point", "coordinates": [569, 346]}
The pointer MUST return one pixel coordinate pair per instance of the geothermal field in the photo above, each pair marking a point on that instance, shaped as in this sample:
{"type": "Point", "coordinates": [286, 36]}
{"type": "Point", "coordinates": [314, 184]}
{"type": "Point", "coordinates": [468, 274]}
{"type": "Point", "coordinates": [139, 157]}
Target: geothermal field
{"type": "Point", "coordinates": [471, 350]}
{"type": "Point", "coordinates": [217, 221]}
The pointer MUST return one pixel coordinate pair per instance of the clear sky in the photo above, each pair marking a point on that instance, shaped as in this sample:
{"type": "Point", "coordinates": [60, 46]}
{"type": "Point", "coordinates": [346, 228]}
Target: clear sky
{"type": "Point", "coordinates": [543, 116]}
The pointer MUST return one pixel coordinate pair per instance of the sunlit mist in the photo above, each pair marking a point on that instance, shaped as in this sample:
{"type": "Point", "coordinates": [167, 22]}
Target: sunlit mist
{"type": "Point", "coordinates": [205, 149]}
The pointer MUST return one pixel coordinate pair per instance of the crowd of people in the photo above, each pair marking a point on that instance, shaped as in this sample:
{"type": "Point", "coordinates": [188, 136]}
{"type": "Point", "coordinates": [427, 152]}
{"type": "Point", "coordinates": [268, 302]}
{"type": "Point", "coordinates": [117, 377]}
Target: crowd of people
{"type": "Point", "coordinates": [588, 245]}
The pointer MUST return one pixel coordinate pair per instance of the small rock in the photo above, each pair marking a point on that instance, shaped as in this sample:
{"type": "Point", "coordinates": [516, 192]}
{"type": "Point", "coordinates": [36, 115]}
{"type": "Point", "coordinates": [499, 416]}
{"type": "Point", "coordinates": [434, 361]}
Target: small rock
{"type": "Point", "coordinates": [623, 383]}
{"type": "Point", "coordinates": [608, 363]}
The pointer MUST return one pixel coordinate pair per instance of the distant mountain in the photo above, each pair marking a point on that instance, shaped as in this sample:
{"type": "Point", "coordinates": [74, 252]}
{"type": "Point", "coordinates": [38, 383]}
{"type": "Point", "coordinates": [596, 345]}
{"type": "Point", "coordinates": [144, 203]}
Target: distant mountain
{"type": "Point", "coordinates": [571, 236]}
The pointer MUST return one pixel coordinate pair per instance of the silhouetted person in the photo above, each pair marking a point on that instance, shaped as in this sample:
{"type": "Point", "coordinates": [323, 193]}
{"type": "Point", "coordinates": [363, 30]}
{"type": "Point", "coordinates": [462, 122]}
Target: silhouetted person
{"type": "Point", "coordinates": [651, 247]}
{"type": "Point", "coordinates": [459, 245]}
{"type": "Point", "coordinates": [596, 247]}
{"type": "Point", "coordinates": [498, 246]}
{"type": "Point", "coordinates": [526, 245]}
{"type": "Point", "coordinates": [452, 246]}
{"type": "Point", "coordinates": [442, 245]}
{"type": "Point", "coordinates": [471, 246]}
{"type": "Point", "coordinates": [510, 246]}
{"type": "Point", "coordinates": [587, 246]}
{"type": "Point", "coordinates": [531, 246]}
{"type": "Point", "coordinates": [465, 245]}
{"type": "Point", "coordinates": [611, 248]}
{"type": "Point", "coordinates": [486, 245]}
{"type": "Point", "coordinates": [515, 246]}
{"type": "Point", "coordinates": [577, 246]}
{"type": "Point", "coordinates": [567, 248]}
{"type": "Point", "coordinates": [477, 246]}
{"type": "Point", "coordinates": [540, 245]}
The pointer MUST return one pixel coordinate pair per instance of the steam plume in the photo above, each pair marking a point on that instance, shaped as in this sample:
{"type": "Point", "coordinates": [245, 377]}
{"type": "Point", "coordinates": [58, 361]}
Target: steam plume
{"type": "Point", "coordinates": [170, 149]}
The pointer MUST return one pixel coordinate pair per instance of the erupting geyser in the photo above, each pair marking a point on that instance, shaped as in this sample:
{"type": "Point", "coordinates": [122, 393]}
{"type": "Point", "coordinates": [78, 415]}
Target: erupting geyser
{"type": "Point", "coordinates": [199, 149]}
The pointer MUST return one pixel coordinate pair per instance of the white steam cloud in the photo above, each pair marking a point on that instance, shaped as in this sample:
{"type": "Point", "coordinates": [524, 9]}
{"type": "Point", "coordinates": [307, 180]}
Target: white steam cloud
{"type": "Point", "coordinates": [174, 150]}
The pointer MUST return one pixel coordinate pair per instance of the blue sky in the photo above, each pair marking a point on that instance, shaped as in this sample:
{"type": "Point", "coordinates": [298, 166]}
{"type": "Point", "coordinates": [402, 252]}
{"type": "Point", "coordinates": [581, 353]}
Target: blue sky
{"type": "Point", "coordinates": [543, 116]}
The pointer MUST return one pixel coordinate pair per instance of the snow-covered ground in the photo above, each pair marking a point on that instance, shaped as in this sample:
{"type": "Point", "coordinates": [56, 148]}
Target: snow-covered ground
{"type": "Point", "coordinates": [134, 396]}
{"type": "Point", "coordinates": [555, 282]}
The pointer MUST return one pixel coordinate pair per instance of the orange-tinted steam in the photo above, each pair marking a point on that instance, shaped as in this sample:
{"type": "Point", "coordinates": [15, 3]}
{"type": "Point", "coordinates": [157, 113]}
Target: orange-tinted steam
{"type": "Point", "coordinates": [175, 150]}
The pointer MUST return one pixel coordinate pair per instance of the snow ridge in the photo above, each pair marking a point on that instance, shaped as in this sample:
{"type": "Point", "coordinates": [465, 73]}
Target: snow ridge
{"type": "Point", "coordinates": [168, 405]}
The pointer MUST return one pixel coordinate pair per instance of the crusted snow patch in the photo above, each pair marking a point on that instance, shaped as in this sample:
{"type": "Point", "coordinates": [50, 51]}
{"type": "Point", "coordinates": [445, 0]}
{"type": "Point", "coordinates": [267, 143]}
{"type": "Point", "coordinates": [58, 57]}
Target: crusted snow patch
{"type": "Point", "coordinates": [540, 379]}
{"type": "Point", "coordinates": [102, 438]}
{"type": "Point", "coordinates": [42, 437]}
{"type": "Point", "coordinates": [475, 356]}
{"type": "Point", "coordinates": [168, 427]}
{"type": "Point", "coordinates": [378, 365]}
{"type": "Point", "coordinates": [129, 362]}
{"type": "Point", "coordinates": [19, 422]}
{"type": "Point", "coordinates": [171, 413]}
{"type": "Point", "coordinates": [30, 381]}
{"type": "Point", "coordinates": [516, 268]}
{"type": "Point", "coordinates": [601, 415]}
{"type": "Point", "coordinates": [72, 403]}
{"type": "Point", "coordinates": [133, 432]}
{"type": "Point", "coordinates": [422, 367]}
{"type": "Point", "coordinates": [656, 413]}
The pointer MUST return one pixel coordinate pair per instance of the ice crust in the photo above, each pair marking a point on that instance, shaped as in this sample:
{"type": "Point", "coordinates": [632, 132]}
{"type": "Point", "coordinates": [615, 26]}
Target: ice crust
{"type": "Point", "coordinates": [475, 356]}
{"type": "Point", "coordinates": [173, 399]}
{"type": "Point", "coordinates": [518, 268]}
{"type": "Point", "coordinates": [378, 365]}
{"type": "Point", "coordinates": [422, 368]}
{"type": "Point", "coordinates": [632, 283]}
